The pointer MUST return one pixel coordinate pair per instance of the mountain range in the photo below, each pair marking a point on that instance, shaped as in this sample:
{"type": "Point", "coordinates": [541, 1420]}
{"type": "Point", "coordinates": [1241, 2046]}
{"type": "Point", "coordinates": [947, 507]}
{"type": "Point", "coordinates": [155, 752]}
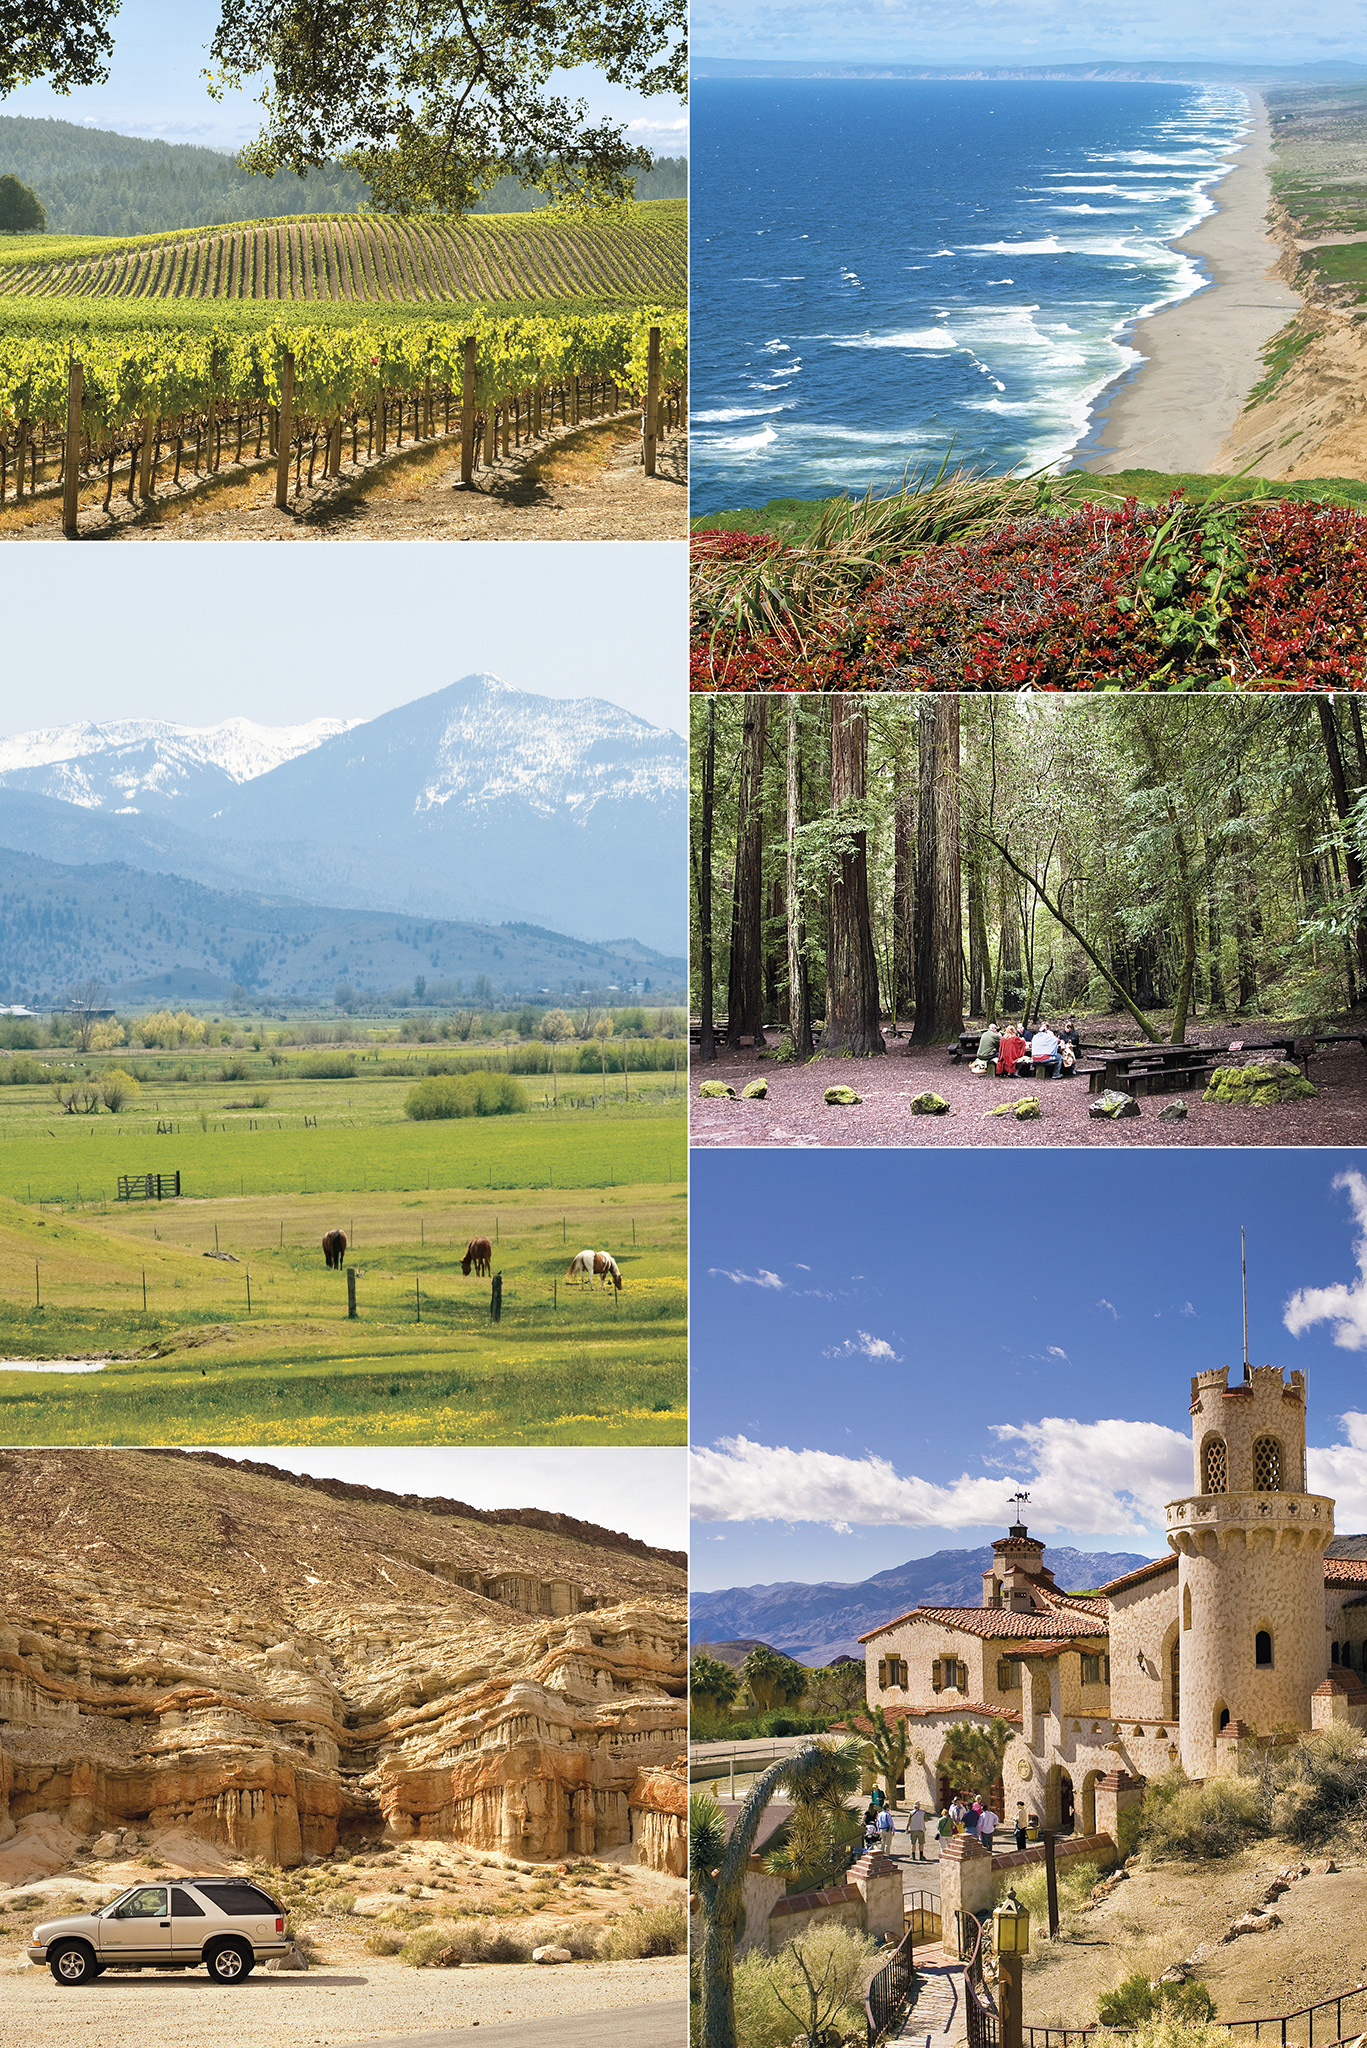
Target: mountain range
{"type": "Point", "coordinates": [476, 804]}
{"type": "Point", "coordinates": [815, 1623]}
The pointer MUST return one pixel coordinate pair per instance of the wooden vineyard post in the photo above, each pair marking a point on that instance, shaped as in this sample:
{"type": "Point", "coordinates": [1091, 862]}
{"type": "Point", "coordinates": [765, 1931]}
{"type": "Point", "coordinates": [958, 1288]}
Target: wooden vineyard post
{"type": "Point", "coordinates": [496, 1299]}
{"type": "Point", "coordinates": [335, 448]}
{"type": "Point", "coordinates": [574, 403]}
{"type": "Point", "coordinates": [284, 449]}
{"type": "Point", "coordinates": [351, 1292]}
{"type": "Point", "coordinates": [71, 481]}
{"type": "Point", "coordinates": [652, 419]}
{"type": "Point", "coordinates": [145, 460]}
{"type": "Point", "coordinates": [20, 451]}
{"type": "Point", "coordinates": [467, 414]}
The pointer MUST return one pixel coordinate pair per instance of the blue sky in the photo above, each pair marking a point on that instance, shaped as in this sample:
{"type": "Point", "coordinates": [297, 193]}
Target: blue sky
{"type": "Point", "coordinates": [1030, 31]}
{"type": "Point", "coordinates": [433, 614]}
{"type": "Point", "coordinates": [155, 88]}
{"type": "Point", "coordinates": [885, 1344]}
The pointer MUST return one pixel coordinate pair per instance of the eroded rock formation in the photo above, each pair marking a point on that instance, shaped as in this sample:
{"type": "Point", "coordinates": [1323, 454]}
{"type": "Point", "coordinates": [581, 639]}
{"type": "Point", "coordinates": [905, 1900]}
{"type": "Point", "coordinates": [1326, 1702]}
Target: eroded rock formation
{"type": "Point", "coordinates": [214, 1650]}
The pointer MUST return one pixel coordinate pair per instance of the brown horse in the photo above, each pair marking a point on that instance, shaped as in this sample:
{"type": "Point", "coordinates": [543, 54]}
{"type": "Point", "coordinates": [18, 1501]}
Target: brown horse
{"type": "Point", "coordinates": [479, 1253]}
{"type": "Point", "coordinates": [334, 1249]}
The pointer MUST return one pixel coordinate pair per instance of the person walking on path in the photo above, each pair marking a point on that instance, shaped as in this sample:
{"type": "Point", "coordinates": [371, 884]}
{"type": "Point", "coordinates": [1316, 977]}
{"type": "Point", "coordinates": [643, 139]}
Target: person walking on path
{"type": "Point", "coordinates": [1022, 1832]}
{"type": "Point", "coordinates": [988, 1823]}
{"type": "Point", "coordinates": [885, 1825]}
{"type": "Point", "coordinates": [916, 1833]}
{"type": "Point", "coordinates": [944, 1826]}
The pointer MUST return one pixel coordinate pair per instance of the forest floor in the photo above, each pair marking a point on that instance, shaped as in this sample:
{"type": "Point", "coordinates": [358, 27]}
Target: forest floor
{"type": "Point", "coordinates": [795, 1111]}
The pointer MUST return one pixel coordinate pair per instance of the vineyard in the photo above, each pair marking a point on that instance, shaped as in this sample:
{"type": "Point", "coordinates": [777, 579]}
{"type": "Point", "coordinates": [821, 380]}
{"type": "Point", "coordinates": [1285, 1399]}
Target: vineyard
{"type": "Point", "coordinates": [126, 400]}
{"type": "Point", "coordinates": [368, 259]}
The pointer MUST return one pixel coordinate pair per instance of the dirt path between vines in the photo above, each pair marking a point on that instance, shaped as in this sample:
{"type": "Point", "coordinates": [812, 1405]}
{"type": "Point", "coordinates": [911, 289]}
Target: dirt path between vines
{"type": "Point", "coordinates": [584, 484]}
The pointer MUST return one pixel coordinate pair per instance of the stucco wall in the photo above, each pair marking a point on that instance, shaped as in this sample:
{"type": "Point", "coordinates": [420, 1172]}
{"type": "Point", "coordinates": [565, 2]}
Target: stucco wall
{"type": "Point", "coordinates": [1142, 1619]}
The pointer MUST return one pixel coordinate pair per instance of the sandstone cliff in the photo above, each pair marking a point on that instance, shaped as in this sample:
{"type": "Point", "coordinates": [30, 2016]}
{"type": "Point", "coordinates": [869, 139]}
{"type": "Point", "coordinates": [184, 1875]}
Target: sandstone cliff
{"type": "Point", "coordinates": [200, 1647]}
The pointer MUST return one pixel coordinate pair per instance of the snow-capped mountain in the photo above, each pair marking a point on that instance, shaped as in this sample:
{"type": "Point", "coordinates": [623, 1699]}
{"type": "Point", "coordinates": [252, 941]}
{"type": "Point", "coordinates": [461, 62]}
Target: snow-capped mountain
{"type": "Point", "coordinates": [148, 765]}
{"type": "Point", "coordinates": [476, 802]}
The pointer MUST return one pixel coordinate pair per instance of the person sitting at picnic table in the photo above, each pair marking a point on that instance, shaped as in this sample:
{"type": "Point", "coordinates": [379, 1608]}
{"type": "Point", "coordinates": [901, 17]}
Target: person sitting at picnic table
{"type": "Point", "coordinates": [1045, 1054]}
{"type": "Point", "coordinates": [1012, 1048]}
{"type": "Point", "coordinates": [1070, 1045]}
{"type": "Point", "coordinates": [988, 1045]}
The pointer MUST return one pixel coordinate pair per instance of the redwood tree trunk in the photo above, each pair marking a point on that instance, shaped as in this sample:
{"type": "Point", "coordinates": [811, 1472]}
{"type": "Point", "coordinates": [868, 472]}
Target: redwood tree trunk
{"type": "Point", "coordinates": [799, 999]}
{"type": "Point", "coordinates": [939, 906]}
{"type": "Point", "coordinates": [1343, 805]}
{"type": "Point", "coordinates": [745, 981]}
{"type": "Point", "coordinates": [707, 1045]}
{"type": "Point", "coordinates": [903, 882]}
{"type": "Point", "coordinates": [852, 1023]}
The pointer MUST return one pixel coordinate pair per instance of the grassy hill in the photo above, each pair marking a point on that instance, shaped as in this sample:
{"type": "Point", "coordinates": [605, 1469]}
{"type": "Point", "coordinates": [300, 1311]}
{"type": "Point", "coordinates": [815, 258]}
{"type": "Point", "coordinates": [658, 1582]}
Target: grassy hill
{"type": "Point", "coordinates": [366, 259]}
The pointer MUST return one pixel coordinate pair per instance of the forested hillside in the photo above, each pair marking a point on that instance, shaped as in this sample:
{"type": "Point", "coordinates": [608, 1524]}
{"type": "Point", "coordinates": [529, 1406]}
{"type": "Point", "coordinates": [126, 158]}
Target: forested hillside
{"type": "Point", "coordinates": [915, 863]}
{"type": "Point", "coordinates": [94, 182]}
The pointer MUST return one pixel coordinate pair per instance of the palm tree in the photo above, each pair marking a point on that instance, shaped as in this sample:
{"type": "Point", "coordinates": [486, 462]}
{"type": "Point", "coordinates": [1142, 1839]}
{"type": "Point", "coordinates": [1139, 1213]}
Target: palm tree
{"type": "Point", "coordinates": [820, 1773]}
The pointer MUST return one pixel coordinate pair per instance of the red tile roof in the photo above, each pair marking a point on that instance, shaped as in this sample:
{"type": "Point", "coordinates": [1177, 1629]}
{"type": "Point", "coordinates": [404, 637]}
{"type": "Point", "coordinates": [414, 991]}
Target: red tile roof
{"type": "Point", "coordinates": [958, 1708]}
{"type": "Point", "coordinates": [1345, 1571]}
{"type": "Point", "coordinates": [1142, 1572]}
{"type": "Point", "coordinates": [993, 1624]}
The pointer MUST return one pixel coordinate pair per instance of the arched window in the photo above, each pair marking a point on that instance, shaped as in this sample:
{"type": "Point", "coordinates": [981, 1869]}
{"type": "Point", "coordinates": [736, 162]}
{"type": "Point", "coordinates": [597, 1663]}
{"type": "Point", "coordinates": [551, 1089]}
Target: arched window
{"type": "Point", "coordinates": [1214, 1466]}
{"type": "Point", "coordinates": [1262, 1647]}
{"type": "Point", "coordinates": [1186, 1606]}
{"type": "Point", "coordinates": [1223, 1721]}
{"type": "Point", "coordinates": [1267, 1465]}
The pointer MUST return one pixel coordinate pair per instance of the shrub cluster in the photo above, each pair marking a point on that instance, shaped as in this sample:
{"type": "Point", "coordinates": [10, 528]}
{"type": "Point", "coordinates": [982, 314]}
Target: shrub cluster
{"type": "Point", "coordinates": [452, 1095]}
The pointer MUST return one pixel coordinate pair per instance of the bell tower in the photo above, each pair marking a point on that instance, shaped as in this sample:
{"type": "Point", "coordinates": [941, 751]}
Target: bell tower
{"type": "Point", "coordinates": [1250, 1544]}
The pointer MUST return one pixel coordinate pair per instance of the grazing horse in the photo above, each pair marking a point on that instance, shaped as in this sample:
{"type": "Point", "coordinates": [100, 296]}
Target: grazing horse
{"type": "Point", "coordinates": [586, 1265]}
{"type": "Point", "coordinates": [334, 1249]}
{"type": "Point", "coordinates": [479, 1253]}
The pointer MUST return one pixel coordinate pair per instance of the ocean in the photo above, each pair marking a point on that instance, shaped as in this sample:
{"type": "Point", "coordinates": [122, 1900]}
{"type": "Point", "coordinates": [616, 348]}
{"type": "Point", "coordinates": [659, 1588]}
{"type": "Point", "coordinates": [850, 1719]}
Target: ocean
{"type": "Point", "coordinates": [886, 270]}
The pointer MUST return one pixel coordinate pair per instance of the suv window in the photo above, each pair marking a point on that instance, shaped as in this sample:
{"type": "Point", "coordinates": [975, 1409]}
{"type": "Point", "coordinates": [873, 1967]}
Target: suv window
{"type": "Point", "coordinates": [147, 1903]}
{"type": "Point", "coordinates": [183, 1907]}
{"type": "Point", "coordinates": [238, 1898]}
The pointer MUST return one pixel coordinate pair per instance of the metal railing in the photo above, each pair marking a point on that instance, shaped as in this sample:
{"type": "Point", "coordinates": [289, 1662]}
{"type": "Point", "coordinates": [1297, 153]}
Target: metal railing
{"type": "Point", "coordinates": [890, 1989]}
{"type": "Point", "coordinates": [982, 2020]}
{"type": "Point", "coordinates": [922, 1915]}
{"type": "Point", "coordinates": [1280, 2027]}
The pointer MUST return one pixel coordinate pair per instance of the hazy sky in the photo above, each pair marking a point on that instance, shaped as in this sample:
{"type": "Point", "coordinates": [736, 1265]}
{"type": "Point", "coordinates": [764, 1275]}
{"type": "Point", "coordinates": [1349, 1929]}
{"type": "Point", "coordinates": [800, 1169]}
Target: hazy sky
{"type": "Point", "coordinates": [886, 1344]}
{"type": "Point", "coordinates": [640, 1492]}
{"type": "Point", "coordinates": [1032, 31]}
{"type": "Point", "coordinates": [155, 88]}
{"type": "Point", "coordinates": [197, 633]}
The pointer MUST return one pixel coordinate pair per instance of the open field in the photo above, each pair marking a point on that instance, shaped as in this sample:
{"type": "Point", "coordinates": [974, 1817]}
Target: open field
{"type": "Point", "coordinates": [269, 1160]}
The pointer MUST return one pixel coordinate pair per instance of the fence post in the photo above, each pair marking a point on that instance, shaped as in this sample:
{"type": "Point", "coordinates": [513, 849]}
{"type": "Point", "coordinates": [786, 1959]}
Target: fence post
{"type": "Point", "coordinates": [285, 435]}
{"type": "Point", "coordinates": [467, 414]}
{"type": "Point", "coordinates": [334, 467]}
{"type": "Point", "coordinates": [145, 460]}
{"type": "Point", "coordinates": [496, 1299]}
{"type": "Point", "coordinates": [351, 1291]}
{"type": "Point", "coordinates": [71, 482]}
{"type": "Point", "coordinates": [652, 419]}
{"type": "Point", "coordinates": [1051, 1883]}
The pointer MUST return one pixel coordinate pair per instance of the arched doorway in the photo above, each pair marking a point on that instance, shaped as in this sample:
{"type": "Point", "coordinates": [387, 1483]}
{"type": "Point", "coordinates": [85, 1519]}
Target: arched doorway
{"type": "Point", "coordinates": [1066, 1817]}
{"type": "Point", "coordinates": [1089, 1785]}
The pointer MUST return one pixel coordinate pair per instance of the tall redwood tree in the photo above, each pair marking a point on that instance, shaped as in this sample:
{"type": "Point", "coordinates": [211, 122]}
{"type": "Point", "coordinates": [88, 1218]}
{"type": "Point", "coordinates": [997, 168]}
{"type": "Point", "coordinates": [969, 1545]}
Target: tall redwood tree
{"type": "Point", "coordinates": [852, 1023]}
{"type": "Point", "coordinates": [745, 981]}
{"type": "Point", "coordinates": [939, 904]}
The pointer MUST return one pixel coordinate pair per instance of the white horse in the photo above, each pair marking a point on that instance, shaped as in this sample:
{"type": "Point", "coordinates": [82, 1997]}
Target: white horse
{"type": "Point", "coordinates": [586, 1264]}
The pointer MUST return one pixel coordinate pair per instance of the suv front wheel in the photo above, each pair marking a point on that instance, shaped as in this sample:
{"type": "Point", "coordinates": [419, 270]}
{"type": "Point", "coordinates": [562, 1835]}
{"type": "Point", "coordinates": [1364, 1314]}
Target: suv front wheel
{"type": "Point", "coordinates": [73, 1963]}
{"type": "Point", "coordinates": [231, 1962]}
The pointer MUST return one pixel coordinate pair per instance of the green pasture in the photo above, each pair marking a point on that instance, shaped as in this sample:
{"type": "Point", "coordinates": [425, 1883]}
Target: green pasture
{"type": "Point", "coordinates": [221, 1322]}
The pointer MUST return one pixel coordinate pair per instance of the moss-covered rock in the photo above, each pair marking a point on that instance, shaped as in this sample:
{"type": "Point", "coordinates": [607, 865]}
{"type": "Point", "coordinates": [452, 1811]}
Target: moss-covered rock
{"type": "Point", "coordinates": [717, 1091]}
{"type": "Point", "coordinates": [754, 1091]}
{"type": "Point", "coordinates": [1259, 1085]}
{"type": "Point", "coordinates": [1027, 1109]}
{"type": "Point", "coordinates": [1113, 1103]}
{"type": "Point", "coordinates": [838, 1096]}
{"type": "Point", "coordinates": [927, 1103]}
{"type": "Point", "coordinates": [1173, 1113]}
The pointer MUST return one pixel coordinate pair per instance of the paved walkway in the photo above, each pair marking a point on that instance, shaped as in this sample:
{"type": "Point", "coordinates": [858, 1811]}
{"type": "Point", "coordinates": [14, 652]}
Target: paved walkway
{"type": "Point", "coordinates": [937, 2018]}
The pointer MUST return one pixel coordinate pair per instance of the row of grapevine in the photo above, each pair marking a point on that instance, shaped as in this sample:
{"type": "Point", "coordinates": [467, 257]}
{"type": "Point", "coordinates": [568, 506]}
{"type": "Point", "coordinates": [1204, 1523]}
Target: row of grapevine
{"type": "Point", "coordinates": [142, 392]}
{"type": "Point", "coordinates": [365, 258]}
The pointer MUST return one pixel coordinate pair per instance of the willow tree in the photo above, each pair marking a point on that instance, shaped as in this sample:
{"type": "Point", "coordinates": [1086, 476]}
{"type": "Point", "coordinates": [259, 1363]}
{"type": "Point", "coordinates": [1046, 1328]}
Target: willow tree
{"type": "Point", "coordinates": [939, 977]}
{"type": "Point", "coordinates": [852, 1016]}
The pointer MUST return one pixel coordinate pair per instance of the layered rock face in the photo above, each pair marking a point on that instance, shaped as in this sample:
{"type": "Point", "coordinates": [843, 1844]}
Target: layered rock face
{"type": "Point", "coordinates": [201, 1648]}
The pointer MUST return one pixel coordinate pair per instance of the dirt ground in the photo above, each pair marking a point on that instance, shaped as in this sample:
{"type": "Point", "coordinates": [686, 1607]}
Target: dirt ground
{"type": "Point", "coordinates": [582, 483]}
{"type": "Point", "coordinates": [795, 1112]}
{"type": "Point", "coordinates": [350, 1994]}
{"type": "Point", "coordinates": [1176, 1911]}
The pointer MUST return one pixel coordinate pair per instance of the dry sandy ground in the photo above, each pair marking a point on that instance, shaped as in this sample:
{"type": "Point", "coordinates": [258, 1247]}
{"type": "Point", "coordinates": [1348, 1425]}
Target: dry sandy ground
{"type": "Point", "coordinates": [795, 1113]}
{"type": "Point", "coordinates": [1175, 1911]}
{"type": "Point", "coordinates": [1314, 423]}
{"type": "Point", "coordinates": [1202, 357]}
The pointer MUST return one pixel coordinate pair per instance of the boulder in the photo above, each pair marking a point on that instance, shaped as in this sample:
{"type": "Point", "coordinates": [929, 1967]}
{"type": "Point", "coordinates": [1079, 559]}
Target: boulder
{"type": "Point", "coordinates": [927, 1103]}
{"type": "Point", "coordinates": [1259, 1084]}
{"type": "Point", "coordinates": [1173, 1113]}
{"type": "Point", "coordinates": [837, 1096]}
{"type": "Point", "coordinates": [754, 1091]}
{"type": "Point", "coordinates": [551, 1954]}
{"type": "Point", "coordinates": [1255, 1922]}
{"type": "Point", "coordinates": [293, 1959]}
{"type": "Point", "coordinates": [1113, 1103]}
{"type": "Point", "coordinates": [1323, 1866]}
{"type": "Point", "coordinates": [716, 1091]}
{"type": "Point", "coordinates": [1027, 1109]}
{"type": "Point", "coordinates": [105, 1847]}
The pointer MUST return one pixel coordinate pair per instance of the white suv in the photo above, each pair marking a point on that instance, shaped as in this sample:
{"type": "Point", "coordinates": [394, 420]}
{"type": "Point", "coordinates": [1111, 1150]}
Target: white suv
{"type": "Point", "coordinates": [223, 1922]}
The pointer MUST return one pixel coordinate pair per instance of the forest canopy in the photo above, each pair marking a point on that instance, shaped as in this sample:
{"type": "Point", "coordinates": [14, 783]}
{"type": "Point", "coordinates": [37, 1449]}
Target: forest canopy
{"type": "Point", "coordinates": [863, 865]}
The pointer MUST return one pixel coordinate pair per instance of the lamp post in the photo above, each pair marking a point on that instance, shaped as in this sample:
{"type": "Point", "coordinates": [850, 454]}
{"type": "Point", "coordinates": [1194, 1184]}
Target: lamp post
{"type": "Point", "coordinates": [1011, 1934]}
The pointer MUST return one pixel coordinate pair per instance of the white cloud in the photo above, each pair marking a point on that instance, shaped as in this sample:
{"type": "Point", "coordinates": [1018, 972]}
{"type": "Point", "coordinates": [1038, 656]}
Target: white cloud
{"type": "Point", "coordinates": [1051, 1351]}
{"type": "Point", "coordinates": [1088, 1477]}
{"type": "Point", "coordinates": [1110, 1307]}
{"type": "Point", "coordinates": [862, 1344]}
{"type": "Point", "coordinates": [1340, 1470]}
{"type": "Point", "coordinates": [1186, 1309]}
{"type": "Point", "coordinates": [763, 1278]}
{"type": "Point", "coordinates": [1344, 1304]}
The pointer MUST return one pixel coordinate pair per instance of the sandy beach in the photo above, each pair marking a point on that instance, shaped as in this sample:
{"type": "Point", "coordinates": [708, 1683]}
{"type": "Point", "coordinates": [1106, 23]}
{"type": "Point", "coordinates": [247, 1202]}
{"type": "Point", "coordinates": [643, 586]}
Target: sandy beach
{"type": "Point", "coordinates": [1201, 356]}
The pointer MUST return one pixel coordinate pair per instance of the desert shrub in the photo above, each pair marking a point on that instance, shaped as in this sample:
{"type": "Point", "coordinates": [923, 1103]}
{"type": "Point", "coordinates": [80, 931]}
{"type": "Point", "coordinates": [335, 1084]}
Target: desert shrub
{"type": "Point", "coordinates": [474, 1941]}
{"type": "Point", "coordinates": [1177, 2030]}
{"type": "Point", "coordinates": [1137, 2000]}
{"type": "Point", "coordinates": [772, 2001]}
{"type": "Point", "coordinates": [1075, 1881]}
{"type": "Point", "coordinates": [1180, 1819]}
{"type": "Point", "coordinates": [323, 1066]}
{"type": "Point", "coordinates": [582, 1941]}
{"type": "Point", "coordinates": [453, 1095]}
{"type": "Point", "coordinates": [1323, 1787]}
{"type": "Point", "coordinates": [381, 1944]}
{"type": "Point", "coordinates": [645, 1931]}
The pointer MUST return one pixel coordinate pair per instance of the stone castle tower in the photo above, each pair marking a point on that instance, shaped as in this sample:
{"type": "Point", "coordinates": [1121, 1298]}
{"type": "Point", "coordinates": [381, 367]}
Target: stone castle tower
{"type": "Point", "coordinates": [1250, 1575]}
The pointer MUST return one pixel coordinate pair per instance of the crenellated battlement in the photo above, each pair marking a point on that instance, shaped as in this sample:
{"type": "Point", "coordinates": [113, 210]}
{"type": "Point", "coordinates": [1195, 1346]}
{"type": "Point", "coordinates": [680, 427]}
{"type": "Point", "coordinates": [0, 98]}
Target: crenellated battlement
{"type": "Point", "coordinates": [1248, 1437]}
